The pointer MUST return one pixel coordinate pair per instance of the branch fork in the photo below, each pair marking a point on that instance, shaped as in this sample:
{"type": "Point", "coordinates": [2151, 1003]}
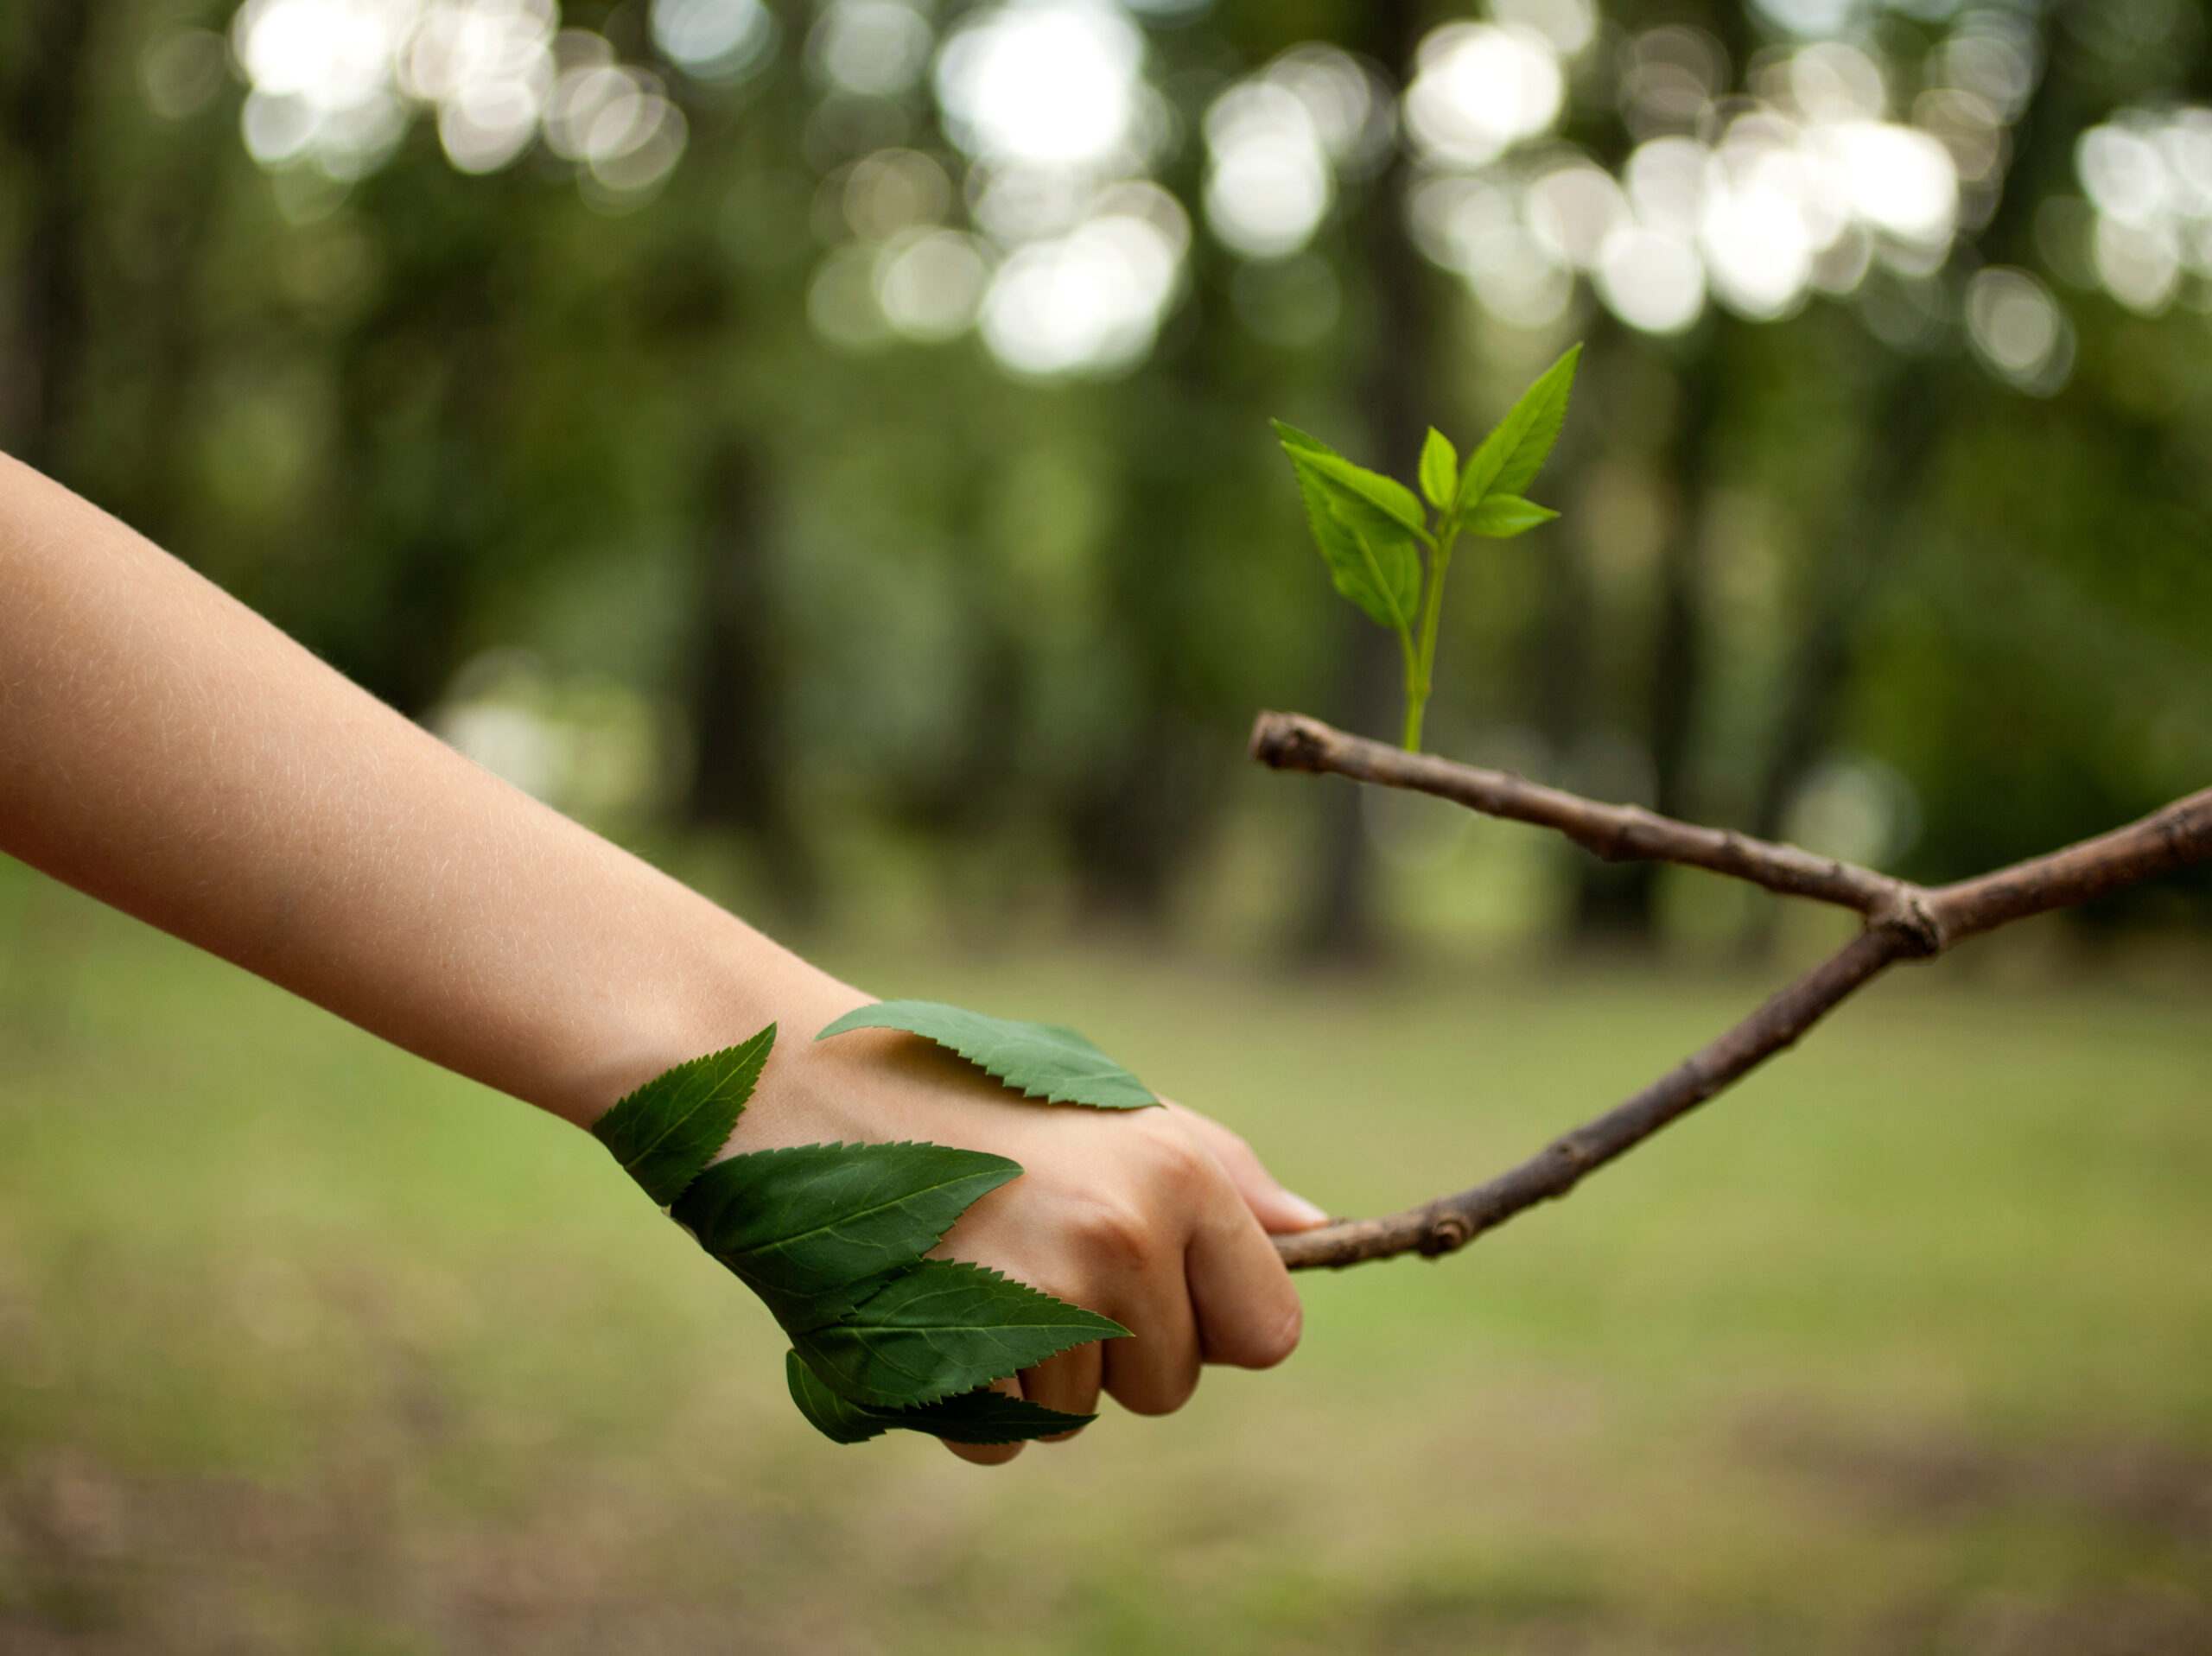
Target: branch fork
{"type": "Point", "coordinates": [1903, 921]}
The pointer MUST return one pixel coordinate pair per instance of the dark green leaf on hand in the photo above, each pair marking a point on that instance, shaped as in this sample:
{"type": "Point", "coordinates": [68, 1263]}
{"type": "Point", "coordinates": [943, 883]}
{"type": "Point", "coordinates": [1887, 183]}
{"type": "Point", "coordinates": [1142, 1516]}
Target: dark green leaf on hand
{"type": "Point", "coordinates": [1501, 517]}
{"type": "Point", "coordinates": [972, 1418]}
{"type": "Point", "coordinates": [669, 1128]}
{"type": "Point", "coordinates": [942, 1329]}
{"type": "Point", "coordinates": [1039, 1060]}
{"type": "Point", "coordinates": [1439, 469]}
{"type": "Point", "coordinates": [814, 1230]}
{"type": "Point", "coordinates": [833, 1236]}
{"type": "Point", "coordinates": [1511, 456]}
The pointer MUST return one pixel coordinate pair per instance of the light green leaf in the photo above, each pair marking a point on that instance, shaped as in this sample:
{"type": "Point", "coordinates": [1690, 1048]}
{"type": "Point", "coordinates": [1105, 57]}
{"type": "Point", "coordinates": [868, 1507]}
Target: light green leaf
{"type": "Point", "coordinates": [813, 1229]}
{"type": "Point", "coordinates": [1371, 556]}
{"type": "Point", "coordinates": [972, 1418]}
{"type": "Point", "coordinates": [1372, 559]}
{"type": "Point", "coordinates": [1501, 517]}
{"type": "Point", "coordinates": [669, 1128]}
{"type": "Point", "coordinates": [1385, 495]}
{"type": "Point", "coordinates": [1439, 469]}
{"type": "Point", "coordinates": [942, 1329]}
{"type": "Point", "coordinates": [1511, 456]}
{"type": "Point", "coordinates": [1295, 442]}
{"type": "Point", "coordinates": [1037, 1060]}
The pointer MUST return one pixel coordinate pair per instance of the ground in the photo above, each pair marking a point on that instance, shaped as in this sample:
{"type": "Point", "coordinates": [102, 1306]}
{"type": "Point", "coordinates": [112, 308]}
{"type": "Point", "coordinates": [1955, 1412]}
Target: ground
{"type": "Point", "coordinates": [1905, 1346]}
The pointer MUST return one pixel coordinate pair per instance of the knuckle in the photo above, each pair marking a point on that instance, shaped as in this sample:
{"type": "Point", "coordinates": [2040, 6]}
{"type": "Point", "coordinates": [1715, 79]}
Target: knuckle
{"type": "Point", "coordinates": [1176, 1161]}
{"type": "Point", "coordinates": [1162, 1395]}
{"type": "Point", "coordinates": [983, 1454]}
{"type": "Point", "coordinates": [1117, 1233]}
{"type": "Point", "coordinates": [1261, 1340]}
{"type": "Point", "coordinates": [1279, 1341]}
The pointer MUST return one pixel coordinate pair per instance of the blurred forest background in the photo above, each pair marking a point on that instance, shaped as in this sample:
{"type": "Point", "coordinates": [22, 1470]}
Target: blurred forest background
{"type": "Point", "coordinates": [831, 444]}
{"type": "Point", "coordinates": [823, 444]}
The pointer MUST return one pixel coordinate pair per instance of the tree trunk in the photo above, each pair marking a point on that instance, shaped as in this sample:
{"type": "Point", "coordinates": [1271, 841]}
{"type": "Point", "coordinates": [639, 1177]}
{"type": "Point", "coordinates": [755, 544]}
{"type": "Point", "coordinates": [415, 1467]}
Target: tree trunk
{"type": "Point", "coordinates": [46, 118]}
{"type": "Point", "coordinates": [1139, 815]}
{"type": "Point", "coordinates": [738, 778]}
{"type": "Point", "coordinates": [1340, 926]}
{"type": "Point", "coordinates": [1869, 534]}
{"type": "Point", "coordinates": [1618, 903]}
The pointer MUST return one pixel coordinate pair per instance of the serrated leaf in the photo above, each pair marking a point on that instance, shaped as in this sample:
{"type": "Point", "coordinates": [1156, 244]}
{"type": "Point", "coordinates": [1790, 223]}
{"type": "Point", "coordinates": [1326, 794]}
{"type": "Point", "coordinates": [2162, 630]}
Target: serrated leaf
{"type": "Point", "coordinates": [973, 1417]}
{"type": "Point", "coordinates": [942, 1329]}
{"type": "Point", "coordinates": [1439, 469]}
{"type": "Point", "coordinates": [668, 1130]}
{"type": "Point", "coordinates": [1501, 517]}
{"type": "Point", "coordinates": [1511, 456]}
{"type": "Point", "coordinates": [814, 1229]}
{"type": "Point", "coordinates": [1037, 1060]}
{"type": "Point", "coordinates": [1383, 494]}
{"type": "Point", "coordinates": [1371, 557]}
{"type": "Point", "coordinates": [1295, 442]}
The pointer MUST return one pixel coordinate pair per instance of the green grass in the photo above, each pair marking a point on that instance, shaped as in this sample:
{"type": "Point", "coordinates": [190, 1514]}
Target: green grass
{"type": "Point", "coordinates": [1904, 1346]}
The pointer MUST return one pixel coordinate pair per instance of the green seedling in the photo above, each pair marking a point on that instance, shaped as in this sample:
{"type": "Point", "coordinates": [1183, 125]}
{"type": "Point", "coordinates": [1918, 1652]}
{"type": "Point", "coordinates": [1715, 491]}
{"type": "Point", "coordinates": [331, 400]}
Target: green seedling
{"type": "Point", "coordinates": [1373, 530]}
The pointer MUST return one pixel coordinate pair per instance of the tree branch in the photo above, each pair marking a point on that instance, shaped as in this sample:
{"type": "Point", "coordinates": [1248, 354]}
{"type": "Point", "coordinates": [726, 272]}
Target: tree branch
{"type": "Point", "coordinates": [1290, 741]}
{"type": "Point", "coordinates": [1903, 921]}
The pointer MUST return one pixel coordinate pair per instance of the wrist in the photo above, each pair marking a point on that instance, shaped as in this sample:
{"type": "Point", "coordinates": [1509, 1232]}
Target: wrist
{"type": "Point", "coordinates": [717, 985]}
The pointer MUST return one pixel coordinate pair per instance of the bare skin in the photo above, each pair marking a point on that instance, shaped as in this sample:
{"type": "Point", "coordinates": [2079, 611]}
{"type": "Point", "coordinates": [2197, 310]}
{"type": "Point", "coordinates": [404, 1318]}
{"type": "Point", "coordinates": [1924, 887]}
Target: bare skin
{"type": "Point", "coordinates": [168, 752]}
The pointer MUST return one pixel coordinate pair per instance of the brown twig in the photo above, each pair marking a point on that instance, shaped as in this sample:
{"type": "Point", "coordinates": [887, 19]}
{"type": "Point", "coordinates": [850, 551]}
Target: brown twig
{"type": "Point", "coordinates": [1290, 741]}
{"type": "Point", "coordinates": [1903, 921]}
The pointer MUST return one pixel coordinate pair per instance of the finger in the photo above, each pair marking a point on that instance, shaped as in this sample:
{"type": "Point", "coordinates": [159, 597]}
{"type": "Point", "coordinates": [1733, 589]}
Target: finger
{"type": "Point", "coordinates": [989, 1454]}
{"type": "Point", "coordinates": [1247, 1313]}
{"type": "Point", "coordinates": [1068, 1382]}
{"type": "Point", "coordinates": [1155, 1369]}
{"type": "Point", "coordinates": [1277, 1209]}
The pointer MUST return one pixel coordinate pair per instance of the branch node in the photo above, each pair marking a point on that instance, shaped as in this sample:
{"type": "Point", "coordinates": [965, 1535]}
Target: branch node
{"type": "Point", "coordinates": [1284, 741]}
{"type": "Point", "coordinates": [1910, 918]}
{"type": "Point", "coordinates": [1447, 1233]}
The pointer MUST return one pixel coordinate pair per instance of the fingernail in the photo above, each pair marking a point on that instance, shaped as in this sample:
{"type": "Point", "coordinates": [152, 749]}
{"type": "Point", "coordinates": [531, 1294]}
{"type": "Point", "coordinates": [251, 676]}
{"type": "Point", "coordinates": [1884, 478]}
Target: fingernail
{"type": "Point", "coordinates": [1307, 1212]}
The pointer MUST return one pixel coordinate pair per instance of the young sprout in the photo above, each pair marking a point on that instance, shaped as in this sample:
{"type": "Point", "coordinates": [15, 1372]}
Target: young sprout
{"type": "Point", "coordinates": [1372, 529]}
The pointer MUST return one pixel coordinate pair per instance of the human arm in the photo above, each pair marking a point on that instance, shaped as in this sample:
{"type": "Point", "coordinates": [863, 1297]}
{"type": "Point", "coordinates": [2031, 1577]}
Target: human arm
{"type": "Point", "coordinates": [167, 751]}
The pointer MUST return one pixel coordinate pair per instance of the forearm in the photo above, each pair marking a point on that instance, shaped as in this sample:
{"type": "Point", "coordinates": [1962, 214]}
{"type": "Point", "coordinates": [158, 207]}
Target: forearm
{"type": "Point", "coordinates": [165, 750]}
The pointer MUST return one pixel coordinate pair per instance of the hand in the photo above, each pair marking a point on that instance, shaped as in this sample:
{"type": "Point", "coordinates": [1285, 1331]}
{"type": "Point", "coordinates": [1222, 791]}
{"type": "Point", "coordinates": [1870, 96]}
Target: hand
{"type": "Point", "coordinates": [1157, 1218]}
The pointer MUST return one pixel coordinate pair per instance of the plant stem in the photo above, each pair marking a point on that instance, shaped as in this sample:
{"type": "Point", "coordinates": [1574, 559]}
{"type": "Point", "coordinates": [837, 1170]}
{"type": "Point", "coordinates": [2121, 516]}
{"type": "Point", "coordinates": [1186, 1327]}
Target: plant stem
{"type": "Point", "coordinates": [1420, 664]}
{"type": "Point", "coordinates": [1416, 692]}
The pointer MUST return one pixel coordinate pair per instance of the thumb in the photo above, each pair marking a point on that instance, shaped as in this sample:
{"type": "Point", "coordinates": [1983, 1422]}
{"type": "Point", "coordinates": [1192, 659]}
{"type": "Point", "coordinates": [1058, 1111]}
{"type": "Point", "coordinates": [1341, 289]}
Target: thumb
{"type": "Point", "coordinates": [1278, 1210]}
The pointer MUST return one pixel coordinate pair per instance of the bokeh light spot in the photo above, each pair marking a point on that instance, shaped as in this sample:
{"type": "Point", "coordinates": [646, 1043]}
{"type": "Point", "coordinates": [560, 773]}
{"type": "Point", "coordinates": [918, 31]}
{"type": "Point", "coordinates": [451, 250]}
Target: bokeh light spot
{"type": "Point", "coordinates": [1053, 83]}
{"type": "Point", "coordinates": [1480, 89]}
{"type": "Point", "coordinates": [877, 48]}
{"type": "Point", "coordinates": [720, 40]}
{"type": "Point", "coordinates": [2018, 330]}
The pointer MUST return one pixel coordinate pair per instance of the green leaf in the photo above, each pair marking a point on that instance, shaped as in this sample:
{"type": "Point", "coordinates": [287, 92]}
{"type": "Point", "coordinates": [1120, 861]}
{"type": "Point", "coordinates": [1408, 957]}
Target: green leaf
{"type": "Point", "coordinates": [942, 1329]}
{"type": "Point", "coordinates": [813, 1229]}
{"type": "Point", "coordinates": [1383, 494]}
{"type": "Point", "coordinates": [1295, 442]}
{"type": "Point", "coordinates": [1439, 469]}
{"type": "Point", "coordinates": [1501, 517]}
{"type": "Point", "coordinates": [669, 1128]}
{"type": "Point", "coordinates": [1372, 559]}
{"type": "Point", "coordinates": [1039, 1060]}
{"type": "Point", "coordinates": [972, 1418]}
{"type": "Point", "coordinates": [1511, 456]}
{"type": "Point", "coordinates": [1371, 556]}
